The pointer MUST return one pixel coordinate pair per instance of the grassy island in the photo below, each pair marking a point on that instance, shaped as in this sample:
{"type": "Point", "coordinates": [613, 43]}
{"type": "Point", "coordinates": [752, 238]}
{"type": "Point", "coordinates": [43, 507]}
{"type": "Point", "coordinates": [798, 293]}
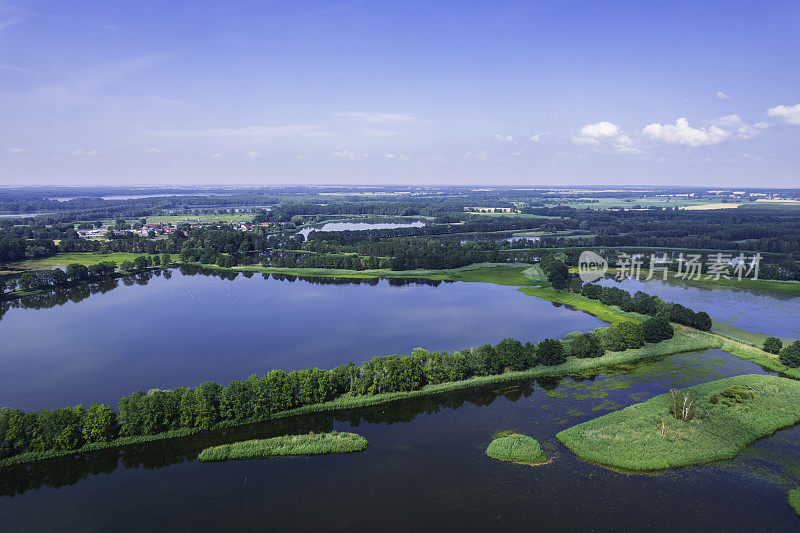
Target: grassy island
{"type": "Point", "coordinates": [311, 444]}
{"type": "Point", "coordinates": [704, 423]}
{"type": "Point", "coordinates": [511, 446]}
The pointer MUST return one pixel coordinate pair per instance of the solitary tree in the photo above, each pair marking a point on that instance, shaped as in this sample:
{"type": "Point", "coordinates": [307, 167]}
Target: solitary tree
{"type": "Point", "coordinates": [773, 345]}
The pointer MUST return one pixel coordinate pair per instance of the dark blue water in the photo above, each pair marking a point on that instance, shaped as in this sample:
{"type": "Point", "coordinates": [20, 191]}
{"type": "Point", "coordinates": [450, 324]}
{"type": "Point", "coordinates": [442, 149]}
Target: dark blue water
{"type": "Point", "coordinates": [164, 333]}
{"type": "Point", "coordinates": [424, 469]}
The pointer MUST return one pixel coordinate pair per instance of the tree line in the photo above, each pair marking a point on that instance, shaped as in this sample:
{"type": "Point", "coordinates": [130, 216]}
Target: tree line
{"type": "Point", "coordinates": [209, 404]}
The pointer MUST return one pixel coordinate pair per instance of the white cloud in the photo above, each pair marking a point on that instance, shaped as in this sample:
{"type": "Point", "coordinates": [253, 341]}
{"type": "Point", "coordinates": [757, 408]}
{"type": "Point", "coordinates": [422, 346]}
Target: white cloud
{"type": "Point", "coordinates": [381, 118]}
{"type": "Point", "coordinates": [722, 96]}
{"type": "Point", "coordinates": [85, 153]}
{"type": "Point", "coordinates": [535, 138]}
{"type": "Point", "coordinates": [789, 113]}
{"type": "Point", "coordinates": [17, 150]}
{"type": "Point", "coordinates": [252, 154]}
{"type": "Point", "coordinates": [683, 134]}
{"type": "Point", "coordinates": [595, 133]}
{"type": "Point", "coordinates": [379, 133]}
{"type": "Point", "coordinates": [153, 150]}
{"type": "Point", "coordinates": [398, 157]}
{"type": "Point", "coordinates": [346, 154]}
{"type": "Point", "coordinates": [503, 138]}
{"type": "Point", "coordinates": [481, 157]}
{"type": "Point", "coordinates": [746, 132]}
{"type": "Point", "coordinates": [728, 121]}
{"type": "Point", "coordinates": [217, 156]}
{"type": "Point", "coordinates": [254, 133]}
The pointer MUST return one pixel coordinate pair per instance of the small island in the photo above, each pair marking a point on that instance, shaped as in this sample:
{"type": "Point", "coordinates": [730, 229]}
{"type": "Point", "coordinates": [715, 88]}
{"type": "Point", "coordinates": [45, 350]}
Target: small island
{"type": "Point", "coordinates": [311, 444]}
{"type": "Point", "coordinates": [704, 423]}
{"type": "Point", "coordinates": [511, 446]}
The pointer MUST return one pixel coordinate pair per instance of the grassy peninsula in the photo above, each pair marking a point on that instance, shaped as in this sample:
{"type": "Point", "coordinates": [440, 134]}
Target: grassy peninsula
{"type": "Point", "coordinates": [725, 416]}
{"type": "Point", "coordinates": [311, 444]}
{"type": "Point", "coordinates": [511, 446]}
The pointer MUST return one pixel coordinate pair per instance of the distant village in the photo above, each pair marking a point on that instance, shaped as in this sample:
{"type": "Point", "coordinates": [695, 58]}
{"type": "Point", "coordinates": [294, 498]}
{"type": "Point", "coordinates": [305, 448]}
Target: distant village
{"type": "Point", "coordinates": [167, 228]}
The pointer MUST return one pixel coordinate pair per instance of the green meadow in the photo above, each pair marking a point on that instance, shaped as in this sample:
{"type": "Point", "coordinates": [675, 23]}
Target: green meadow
{"type": "Point", "coordinates": [646, 436]}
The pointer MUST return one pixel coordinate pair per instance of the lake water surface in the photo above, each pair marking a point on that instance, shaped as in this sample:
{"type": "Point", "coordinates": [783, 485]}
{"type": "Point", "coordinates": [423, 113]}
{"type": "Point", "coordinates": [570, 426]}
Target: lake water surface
{"type": "Point", "coordinates": [360, 226]}
{"type": "Point", "coordinates": [153, 332]}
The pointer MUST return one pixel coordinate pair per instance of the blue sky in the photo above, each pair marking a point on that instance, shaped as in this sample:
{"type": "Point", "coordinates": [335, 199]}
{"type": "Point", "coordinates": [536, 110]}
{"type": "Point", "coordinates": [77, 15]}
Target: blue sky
{"type": "Point", "coordinates": [494, 92]}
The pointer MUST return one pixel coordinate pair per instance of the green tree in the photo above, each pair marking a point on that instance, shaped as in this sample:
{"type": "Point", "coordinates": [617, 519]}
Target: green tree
{"type": "Point", "coordinates": [77, 273]}
{"type": "Point", "coordinates": [790, 356]}
{"type": "Point", "coordinates": [631, 333]}
{"type": "Point", "coordinates": [587, 345]}
{"type": "Point", "coordinates": [773, 345]}
{"type": "Point", "coordinates": [657, 329]}
{"type": "Point", "coordinates": [100, 424]}
{"type": "Point", "coordinates": [550, 352]}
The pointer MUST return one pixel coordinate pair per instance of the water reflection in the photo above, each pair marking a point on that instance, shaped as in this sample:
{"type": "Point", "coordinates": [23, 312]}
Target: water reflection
{"type": "Point", "coordinates": [58, 297]}
{"type": "Point", "coordinates": [69, 470]}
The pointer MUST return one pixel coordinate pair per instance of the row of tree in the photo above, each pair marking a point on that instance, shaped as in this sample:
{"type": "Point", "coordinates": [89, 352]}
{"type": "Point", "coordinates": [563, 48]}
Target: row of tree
{"type": "Point", "coordinates": [647, 304]}
{"type": "Point", "coordinates": [205, 406]}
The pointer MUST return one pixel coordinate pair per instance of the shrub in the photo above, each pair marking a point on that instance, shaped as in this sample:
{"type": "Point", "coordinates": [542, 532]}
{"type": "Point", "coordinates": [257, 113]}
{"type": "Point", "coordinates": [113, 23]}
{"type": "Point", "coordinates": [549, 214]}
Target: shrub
{"type": "Point", "coordinates": [550, 352]}
{"type": "Point", "coordinates": [631, 333]}
{"type": "Point", "coordinates": [773, 345]}
{"type": "Point", "coordinates": [790, 356]}
{"type": "Point", "coordinates": [587, 345]}
{"type": "Point", "coordinates": [657, 329]}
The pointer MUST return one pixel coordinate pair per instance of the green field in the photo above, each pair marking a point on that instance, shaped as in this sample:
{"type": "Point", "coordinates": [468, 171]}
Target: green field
{"type": "Point", "coordinates": [311, 444]}
{"type": "Point", "coordinates": [511, 446]}
{"type": "Point", "coordinates": [62, 260]}
{"type": "Point", "coordinates": [646, 436]}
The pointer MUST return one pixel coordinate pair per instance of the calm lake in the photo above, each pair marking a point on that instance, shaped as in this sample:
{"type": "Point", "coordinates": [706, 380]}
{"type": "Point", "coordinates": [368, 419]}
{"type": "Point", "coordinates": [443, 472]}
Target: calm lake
{"type": "Point", "coordinates": [359, 226]}
{"type": "Point", "coordinates": [152, 332]}
{"type": "Point", "coordinates": [425, 466]}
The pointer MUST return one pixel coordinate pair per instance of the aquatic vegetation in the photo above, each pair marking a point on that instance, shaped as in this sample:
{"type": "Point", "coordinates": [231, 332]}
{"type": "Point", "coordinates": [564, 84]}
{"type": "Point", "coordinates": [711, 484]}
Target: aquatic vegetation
{"type": "Point", "coordinates": [645, 437]}
{"type": "Point", "coordinates": [310, 444]}
{"type": "Point", "coordinates": [794, 500]}
{"type": "Point", "coordinates": [734, 396]}
{"type": "Point", "coordinates": [510, 446]}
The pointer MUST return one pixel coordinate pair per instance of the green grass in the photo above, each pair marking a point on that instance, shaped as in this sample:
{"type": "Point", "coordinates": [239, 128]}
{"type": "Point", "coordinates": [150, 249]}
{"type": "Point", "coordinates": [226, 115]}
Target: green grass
{"type": "Point", "coordinates": [62, 260]}
{"type": "Point", "coordinates": [794, 500]}
{"type": "Point", "coordinates": [630, 439]}
{"type": "Point", "coordinates": [311, 444]}
{"type": "Point", "coordinates": [510, 446]}
{"type": "Point", "coordinates": [610, 314]}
